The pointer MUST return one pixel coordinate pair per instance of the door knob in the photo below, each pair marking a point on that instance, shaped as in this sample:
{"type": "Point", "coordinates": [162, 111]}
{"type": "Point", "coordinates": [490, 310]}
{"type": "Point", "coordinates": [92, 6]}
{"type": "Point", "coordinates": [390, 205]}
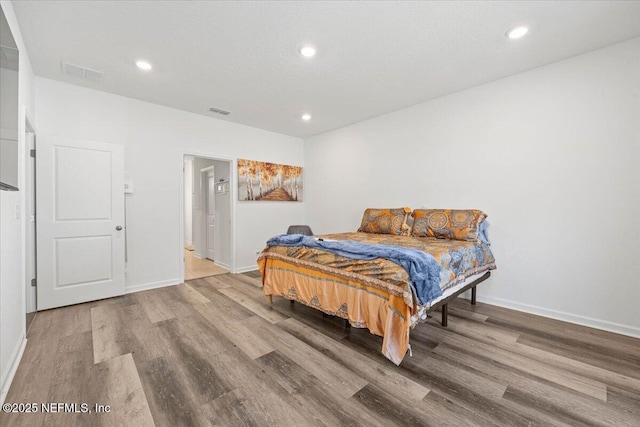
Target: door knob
{"type": "Point", "coordinates": [119, 227]}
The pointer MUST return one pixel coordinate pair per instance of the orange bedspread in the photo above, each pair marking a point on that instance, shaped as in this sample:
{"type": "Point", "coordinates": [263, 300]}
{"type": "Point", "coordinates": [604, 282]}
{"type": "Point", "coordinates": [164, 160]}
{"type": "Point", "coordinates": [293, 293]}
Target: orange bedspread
{"type": "Point", "coordinates": [373, 294]}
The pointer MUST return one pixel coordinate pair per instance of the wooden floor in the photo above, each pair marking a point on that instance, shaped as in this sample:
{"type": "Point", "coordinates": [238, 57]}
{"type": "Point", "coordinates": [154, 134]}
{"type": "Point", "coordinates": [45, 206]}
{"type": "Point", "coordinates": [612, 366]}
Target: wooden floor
{"type": "Point", "coordinates": [196, 268]}
{"type": "Point", "coordinates": [212, 352]}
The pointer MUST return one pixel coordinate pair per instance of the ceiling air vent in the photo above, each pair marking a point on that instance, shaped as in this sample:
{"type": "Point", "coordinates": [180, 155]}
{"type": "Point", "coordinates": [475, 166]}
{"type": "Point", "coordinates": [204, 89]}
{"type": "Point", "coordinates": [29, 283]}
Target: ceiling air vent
{"type": "Point", "coordinates": [81, 72]}
{"type": "Point", "coordinates": [219, 111]}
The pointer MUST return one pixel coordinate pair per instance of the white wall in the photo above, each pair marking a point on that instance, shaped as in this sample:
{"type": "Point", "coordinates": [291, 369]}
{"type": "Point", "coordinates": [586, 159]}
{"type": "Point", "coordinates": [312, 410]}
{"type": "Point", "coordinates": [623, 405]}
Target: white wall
{"type": "Point", "coordinates": [13, 259]}
{"type": "Point", "coordinates": [188, 200]}
{"type": "Point", "coordinates": [551, 155]}
{"type": "Point", "coordinates": [155, 139]}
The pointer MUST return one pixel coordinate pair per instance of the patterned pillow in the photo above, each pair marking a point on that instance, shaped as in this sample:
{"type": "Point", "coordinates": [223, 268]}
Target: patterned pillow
{"type": "Point", "coordinates": [385, 221]}
{"type": "Point", "coordinates": [447, 223]}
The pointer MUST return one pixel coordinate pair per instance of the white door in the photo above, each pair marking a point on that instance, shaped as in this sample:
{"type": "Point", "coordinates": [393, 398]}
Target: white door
{"type": "Point", "coordinates": [211, 207]}
{"type": "Point", "coordinates": [80, 234]}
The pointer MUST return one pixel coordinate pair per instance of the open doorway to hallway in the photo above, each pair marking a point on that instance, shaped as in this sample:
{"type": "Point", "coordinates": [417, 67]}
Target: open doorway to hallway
{"type": "Point", "coordinates": [207, 216]}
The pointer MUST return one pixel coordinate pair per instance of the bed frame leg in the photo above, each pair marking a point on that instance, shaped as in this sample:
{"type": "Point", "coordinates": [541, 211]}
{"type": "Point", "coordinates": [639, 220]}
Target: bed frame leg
{"type": "Point", "coordinates": [270, 299]}
{"type": "Point", "coordinates": [473, 296]}
{"type": "Point", "coordinates": [445, 312]}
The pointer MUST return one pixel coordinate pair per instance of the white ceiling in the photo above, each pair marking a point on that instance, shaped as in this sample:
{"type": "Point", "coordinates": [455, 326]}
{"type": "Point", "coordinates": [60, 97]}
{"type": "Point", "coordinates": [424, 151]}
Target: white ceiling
{"type": "Point", "coordinates": [373, 57]}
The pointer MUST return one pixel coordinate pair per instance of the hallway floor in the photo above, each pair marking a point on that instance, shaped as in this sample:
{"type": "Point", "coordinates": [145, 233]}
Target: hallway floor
{"type": "Point", "coordinates": [195, 268]}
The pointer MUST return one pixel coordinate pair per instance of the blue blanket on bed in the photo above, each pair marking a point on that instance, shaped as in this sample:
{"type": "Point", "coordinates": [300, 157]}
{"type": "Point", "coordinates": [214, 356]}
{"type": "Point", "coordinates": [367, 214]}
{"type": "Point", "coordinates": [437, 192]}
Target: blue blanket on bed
{"type": "Point", "coordinates": [423, 269]}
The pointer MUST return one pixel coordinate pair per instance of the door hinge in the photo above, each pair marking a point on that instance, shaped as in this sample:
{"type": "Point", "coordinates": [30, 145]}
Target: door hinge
{"type": "Point", "coordinates": [32, 153]}
{"type": "Point", "coordinates": [34, 282]}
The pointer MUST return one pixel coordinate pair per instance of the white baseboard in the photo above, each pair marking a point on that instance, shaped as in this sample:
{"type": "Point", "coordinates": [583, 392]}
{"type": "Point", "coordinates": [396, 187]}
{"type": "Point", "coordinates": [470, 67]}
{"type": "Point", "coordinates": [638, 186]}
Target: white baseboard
{"type": "Point", "coordinates": [617, 328]}
{"type": "Point", "coordinates": [153, 285]}
{"type": "Point", "coordinates": [223, 264]}
{"type": "Point", "coordinates": [16, 356]}
{"type": "Point", "coordinates": [245, 269]}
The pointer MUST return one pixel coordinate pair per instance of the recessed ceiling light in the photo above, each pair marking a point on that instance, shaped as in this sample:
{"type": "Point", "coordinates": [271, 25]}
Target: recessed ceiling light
{"type": "Point", "coordinates": [516, 32]}
{"type": "Point", "coordinates": [144, 65]}
{"type": "Point", "coordinates": [307, 51]}
{"type": "Point", "coordinates": [306, 117]}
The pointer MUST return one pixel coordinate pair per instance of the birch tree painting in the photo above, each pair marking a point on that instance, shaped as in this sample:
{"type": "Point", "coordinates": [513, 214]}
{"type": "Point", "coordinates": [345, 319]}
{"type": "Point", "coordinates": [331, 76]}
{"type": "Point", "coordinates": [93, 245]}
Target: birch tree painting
{"type": "Point", "coordinates": [269, 181]}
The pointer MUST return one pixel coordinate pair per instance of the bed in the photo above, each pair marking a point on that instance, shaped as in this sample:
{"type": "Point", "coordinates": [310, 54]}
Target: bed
{"type": "Point", "coordinates": [378, 294]}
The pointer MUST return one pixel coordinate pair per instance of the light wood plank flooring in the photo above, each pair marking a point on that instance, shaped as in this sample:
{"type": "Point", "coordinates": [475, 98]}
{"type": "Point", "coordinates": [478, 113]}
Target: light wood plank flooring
{"type": "Point", "coordinates": [212, 352]}
{"type": "Point", "coordinates": [197, 268]}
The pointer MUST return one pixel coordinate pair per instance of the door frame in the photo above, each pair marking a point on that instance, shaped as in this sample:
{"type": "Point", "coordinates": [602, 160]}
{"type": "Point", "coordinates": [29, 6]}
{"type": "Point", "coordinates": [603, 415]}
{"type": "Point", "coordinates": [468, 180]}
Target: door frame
{"type": "Point", "coordinates": [29, 245]}
{"type": "Point", "coordinates": [232, 193]}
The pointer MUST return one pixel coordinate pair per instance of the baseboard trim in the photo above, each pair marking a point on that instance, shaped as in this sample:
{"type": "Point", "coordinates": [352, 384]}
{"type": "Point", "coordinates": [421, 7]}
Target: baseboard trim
{"type": "Point", "coordinates": [245, 269]}
{"type": "Point", "coordinates": [566, 317]}
{"type": "Point", "coordinates": [152, 285]}
{"type": "Point", "coordinates": [16, 357]}
{"type": "Point", "coordinates": [222, 264]}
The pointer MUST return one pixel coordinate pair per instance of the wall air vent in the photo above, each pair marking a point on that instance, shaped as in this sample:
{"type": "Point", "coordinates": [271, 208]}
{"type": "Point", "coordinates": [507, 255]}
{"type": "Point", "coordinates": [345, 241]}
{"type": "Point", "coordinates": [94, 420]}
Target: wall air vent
{"type": "Point", "coordinates": [219, 111]}
{"type": "Point", "coordinates": [81, 72]}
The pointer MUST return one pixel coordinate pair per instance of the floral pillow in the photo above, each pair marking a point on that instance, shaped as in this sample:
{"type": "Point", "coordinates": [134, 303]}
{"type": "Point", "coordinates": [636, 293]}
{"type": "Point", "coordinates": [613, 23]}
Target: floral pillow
{"type": "Point", "coordinates": [385, 221]}
{"type": "Point", "coordinates": [448, 224]}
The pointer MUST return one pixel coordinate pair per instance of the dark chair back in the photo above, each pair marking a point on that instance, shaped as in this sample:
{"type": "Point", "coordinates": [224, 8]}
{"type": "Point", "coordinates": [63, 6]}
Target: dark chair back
{"type": "Point", "coordinates": [300, 229]}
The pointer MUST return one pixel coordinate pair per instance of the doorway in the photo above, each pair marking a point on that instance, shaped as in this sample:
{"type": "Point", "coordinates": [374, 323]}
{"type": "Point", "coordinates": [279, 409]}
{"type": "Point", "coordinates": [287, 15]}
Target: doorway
{"type": "Point", "coordinates": [207, 216]}
{"type": "Point", "coordinates": [30, 217]}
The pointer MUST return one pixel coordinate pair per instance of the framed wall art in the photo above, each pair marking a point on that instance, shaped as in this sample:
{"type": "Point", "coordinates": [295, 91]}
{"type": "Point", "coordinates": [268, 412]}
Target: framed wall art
{"type": "Point", "coordinates": [262, 181]}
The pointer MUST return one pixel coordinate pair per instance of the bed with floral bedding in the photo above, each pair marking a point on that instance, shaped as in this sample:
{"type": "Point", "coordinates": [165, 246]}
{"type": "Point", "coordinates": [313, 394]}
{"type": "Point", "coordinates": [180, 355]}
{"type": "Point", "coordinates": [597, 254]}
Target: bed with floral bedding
{"type": "Point", "coordinates": [386, 276]}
